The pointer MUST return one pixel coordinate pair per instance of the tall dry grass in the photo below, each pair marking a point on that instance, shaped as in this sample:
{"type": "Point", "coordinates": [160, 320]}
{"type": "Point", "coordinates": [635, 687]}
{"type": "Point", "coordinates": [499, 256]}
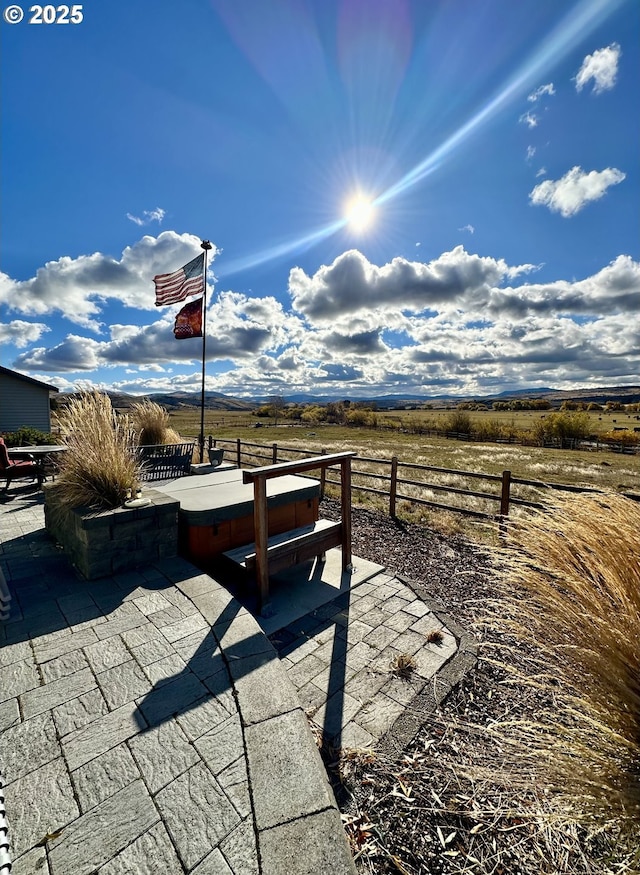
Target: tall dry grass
{"type": "Point", "coordinates": [98, 466]}
{"type": "Point", "coordinates": [571, 597]}
{"type": "Point", "coordinates": [151, 424]}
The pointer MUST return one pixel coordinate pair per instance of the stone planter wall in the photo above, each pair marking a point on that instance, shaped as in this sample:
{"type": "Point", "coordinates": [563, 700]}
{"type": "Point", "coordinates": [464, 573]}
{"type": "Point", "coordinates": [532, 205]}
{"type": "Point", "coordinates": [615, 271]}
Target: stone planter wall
{"type": "Point", "coordinates": [102, 543]}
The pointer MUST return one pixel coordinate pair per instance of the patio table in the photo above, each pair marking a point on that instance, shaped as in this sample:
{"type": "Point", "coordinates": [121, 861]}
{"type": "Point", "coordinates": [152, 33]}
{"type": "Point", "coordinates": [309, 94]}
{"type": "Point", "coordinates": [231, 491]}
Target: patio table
{"type": "Point", "coordinates": [41, 454]}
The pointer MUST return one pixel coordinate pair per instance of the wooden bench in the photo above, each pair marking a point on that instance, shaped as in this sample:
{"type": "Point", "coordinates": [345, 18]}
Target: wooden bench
{"type": "Point", "coordinates": [291, 548]}
{"type": "Point", "coordinates": [283, 551]}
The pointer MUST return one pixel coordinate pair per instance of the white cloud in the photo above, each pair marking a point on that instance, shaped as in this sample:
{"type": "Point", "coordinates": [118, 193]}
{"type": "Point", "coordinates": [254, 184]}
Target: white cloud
{"type": "Point", "coordinates": [531, 151]}
{"type": "Point", "coordinates": [542, 172]}
{"type": "Point", "coordinates": [79, 288]}
{"type": "Point", "coordinates": [601, 67]}
{"type": "Point", "coordinates": [614, 289]}
{"type": "Point", "coordinates": [73, 355]}
{"type": "Point", "coordinates": [238, 327]}
{"type": "Point", "coordinates": [149, 216]}
{"type": "Point", "coordinates": [541, 92]}
{"type": "Point", "coordinates": [530, 119]}
{"type": "Point", "coordinates": [20, 333]}
{"type": "Point", "coordinates": [575, 189]}
{"type": "Point", "coordinates": [452, 324]}
{"type": "Point", "coordinates": [352, 284]}
{"type": "Point", "coordinates": [468, 228]}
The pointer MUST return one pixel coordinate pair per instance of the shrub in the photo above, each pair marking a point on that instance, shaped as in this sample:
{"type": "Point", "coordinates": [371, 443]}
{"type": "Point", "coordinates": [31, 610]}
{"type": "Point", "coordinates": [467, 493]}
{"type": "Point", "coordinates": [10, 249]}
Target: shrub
{"type": "Point", "coordinates": [361, 417]}
{"type": "Point", "coordinates": [567, 425]}
{"type": "Point", "coordinates": [571, 587]}
{"type": "Point", "coordinates": [490, 430]}
{"type": "Point", "coordinates": [151, 423]}
{"type": "Point", "coordinates": [625, 437]}
{"type": "Point", "coordinates": [313, 414]}
{"type": "Point", "coordinates": [28, 436]}
{"type": "Point", "coordinates": [98, 466]}
{"type": "Point", "coordinates": [458, 421]}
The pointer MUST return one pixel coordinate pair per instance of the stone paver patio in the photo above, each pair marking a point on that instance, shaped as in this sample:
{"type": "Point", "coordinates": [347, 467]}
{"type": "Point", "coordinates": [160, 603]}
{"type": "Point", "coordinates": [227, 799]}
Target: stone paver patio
{"type": "Point", "coordinates": [147, 724]}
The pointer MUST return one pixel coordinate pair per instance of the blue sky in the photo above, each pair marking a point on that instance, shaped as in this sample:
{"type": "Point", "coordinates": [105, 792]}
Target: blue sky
{"type": "Point", "coordinates": [494, 147]}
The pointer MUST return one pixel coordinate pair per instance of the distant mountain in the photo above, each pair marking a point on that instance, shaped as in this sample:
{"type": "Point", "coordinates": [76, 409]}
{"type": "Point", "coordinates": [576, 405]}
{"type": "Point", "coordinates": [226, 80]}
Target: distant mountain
{"type": "Point", "coordinates": [624, 394]}
{"type": "Point", "coordinates": [212, 401]}
{"type": "Point", "coordinates": [175, 400]}
{"type": "Point", "coordinates": [524, 393]}
{"type": "Point", "coordinates": [219, 401]}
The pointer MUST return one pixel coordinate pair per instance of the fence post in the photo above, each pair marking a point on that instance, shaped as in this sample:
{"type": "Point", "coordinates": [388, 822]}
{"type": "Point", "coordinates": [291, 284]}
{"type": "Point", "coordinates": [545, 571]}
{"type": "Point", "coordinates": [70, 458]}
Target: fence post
{"type": "Point", "coordinates": [393, 488]}
{"type": "Point", "coordinates": [323, 476]}
{"type": "Point", "coordinates": [505, 494]}
{"type": "Point", "coordinates": [274, 454]}
{"type": "Point", "coordinates": [239, 452]}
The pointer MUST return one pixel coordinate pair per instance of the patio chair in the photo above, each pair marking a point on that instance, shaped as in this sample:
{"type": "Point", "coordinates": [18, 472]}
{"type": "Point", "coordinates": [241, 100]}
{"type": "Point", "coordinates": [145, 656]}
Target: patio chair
{"type": "Point", "coordinates": [12, 469]}
{"type": "Point", "coordinates": [164, 461]}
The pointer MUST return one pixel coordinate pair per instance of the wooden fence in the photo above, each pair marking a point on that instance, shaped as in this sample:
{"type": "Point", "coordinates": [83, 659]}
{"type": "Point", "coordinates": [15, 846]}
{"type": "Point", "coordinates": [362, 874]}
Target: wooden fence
{"type": "Point", "coordinates": [405, 480]}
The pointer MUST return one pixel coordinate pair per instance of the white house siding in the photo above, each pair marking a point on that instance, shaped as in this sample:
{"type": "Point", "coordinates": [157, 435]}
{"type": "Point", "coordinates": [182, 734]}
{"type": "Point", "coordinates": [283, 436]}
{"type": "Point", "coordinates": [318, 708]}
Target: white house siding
{"type": "Point", "coordinates": [23, 402]}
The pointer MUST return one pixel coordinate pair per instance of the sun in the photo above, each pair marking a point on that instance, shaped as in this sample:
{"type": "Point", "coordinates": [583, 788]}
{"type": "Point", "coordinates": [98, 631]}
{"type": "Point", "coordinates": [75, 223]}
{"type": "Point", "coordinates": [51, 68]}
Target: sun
{"type": "Point", "coordinates": [359, 212]}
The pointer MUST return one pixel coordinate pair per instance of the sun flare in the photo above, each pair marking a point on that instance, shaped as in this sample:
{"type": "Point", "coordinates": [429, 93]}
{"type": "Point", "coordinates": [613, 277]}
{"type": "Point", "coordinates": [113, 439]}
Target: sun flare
{"type": "Point", "coordinates": [359, 212]}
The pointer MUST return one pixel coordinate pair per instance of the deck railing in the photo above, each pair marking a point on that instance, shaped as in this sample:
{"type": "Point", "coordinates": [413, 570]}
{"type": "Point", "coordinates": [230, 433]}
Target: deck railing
{"type": "Point", "coordinates": [259, 477]}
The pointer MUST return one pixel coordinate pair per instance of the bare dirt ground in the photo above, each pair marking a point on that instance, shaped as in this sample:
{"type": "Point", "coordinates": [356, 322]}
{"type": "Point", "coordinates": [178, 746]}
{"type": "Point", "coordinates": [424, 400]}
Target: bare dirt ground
{"type": "Point", "coordinates": [442, 807]}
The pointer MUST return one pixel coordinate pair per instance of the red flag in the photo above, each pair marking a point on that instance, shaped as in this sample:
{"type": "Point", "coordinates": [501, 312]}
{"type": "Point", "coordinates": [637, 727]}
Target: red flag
{"type": "Point", "coordinates": [176, 286]}
{"type": "Point", "coordinates": [189, 320]}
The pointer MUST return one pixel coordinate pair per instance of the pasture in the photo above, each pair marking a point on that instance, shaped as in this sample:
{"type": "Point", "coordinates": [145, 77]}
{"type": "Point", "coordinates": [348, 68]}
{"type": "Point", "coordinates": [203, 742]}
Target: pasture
{"type": "Point", "coordinates": [602, 469]}
{"type": "Point", "coordinates": [518, 420]}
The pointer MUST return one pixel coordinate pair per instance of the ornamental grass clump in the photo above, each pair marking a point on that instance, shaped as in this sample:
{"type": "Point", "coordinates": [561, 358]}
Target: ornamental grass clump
{"type": "Point", "coordinates": [571, 600]}
{"type": "Point", "coordinates": [98, 467]}
{"type": "Point", "coordinates": [151, 424]}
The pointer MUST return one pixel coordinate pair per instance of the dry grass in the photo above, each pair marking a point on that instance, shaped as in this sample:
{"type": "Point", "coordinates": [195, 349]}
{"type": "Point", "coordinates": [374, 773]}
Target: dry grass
{"type": "Point", "coordinates": [571, 588]}
{"type": "Point", "coordinates": [453, 825]}
{"type": "Point", "coordinates": [403, 665]}
{"type": "Point", "coordinates": [151, 424]}
{"type": "Point", "coordinates": [98, 466]}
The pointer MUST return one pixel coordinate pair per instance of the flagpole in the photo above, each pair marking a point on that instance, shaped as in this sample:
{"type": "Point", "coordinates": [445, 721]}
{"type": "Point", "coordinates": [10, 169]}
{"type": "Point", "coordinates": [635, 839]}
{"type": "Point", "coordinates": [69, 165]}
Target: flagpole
{"type": "Point", "coordinates": [206, 246]}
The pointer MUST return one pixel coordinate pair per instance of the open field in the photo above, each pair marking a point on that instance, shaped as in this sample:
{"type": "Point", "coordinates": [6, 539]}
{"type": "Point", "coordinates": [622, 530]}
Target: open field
{"type": "Point", "coordinates": [599, 421]}
{"type": "Point", "coordinates": [602, 470]}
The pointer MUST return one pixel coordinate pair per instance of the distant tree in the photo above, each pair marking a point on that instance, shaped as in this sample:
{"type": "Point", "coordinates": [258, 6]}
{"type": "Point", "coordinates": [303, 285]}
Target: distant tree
{"type": "Point", "coordinates": [362, 416]}
{"type": "Point", "coordinates": [294, 411]}
{"type": "Point", "coordinates": [566, 425]}
{"type": "Point", "coordinates": [276, 404]}
{"type": "Point", "coordinates": [335, 412]}
{"type": "Point", "coordinates": [459, 422]}
{"type": "Point", "coordinates": [313, 414]}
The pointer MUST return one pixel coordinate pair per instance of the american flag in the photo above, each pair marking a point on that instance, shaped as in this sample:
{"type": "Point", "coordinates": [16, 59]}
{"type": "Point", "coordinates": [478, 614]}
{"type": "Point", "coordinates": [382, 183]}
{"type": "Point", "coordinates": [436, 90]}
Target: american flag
{"type": "Point", "coordinates": [176, 286]}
